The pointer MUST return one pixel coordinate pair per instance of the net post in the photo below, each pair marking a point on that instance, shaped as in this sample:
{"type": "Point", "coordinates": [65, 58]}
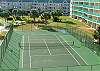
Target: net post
{"type": "Point", "coordinates": [73, 43]}
{"type": "Point", "coordinates": [91, 67]}
{"type": "Point", "coordinates": [42, 68]}
{"type": "Point", "coordinates": [67, 68]}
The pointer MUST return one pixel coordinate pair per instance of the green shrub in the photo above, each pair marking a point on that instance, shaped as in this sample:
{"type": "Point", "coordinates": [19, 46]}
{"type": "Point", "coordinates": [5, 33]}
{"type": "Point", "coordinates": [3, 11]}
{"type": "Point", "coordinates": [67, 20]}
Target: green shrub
{"type": "Point", "coordinates": [29, 21]}
{"type": "Point", "coordinates": [18, 18]}
{"type": "Point", "coordinates": [24, 19]}
{"type": "Point", "coordinates": [56, 19]}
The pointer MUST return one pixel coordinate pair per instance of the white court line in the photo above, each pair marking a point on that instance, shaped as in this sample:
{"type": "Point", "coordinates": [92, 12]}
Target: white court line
{"type": "Point", "coordinates": [29, 52]}
{"type": "Point", "coordinates": [76, 52]}
{"type": "Point", "coordinates": [52, 55]}
{"type": "Point", "coordinates": [68, 50]}
{"type": "Point", "coordinates": [39, 34]}
{"type": "Point", "coordinates": [29, 45]}
{"type": "Point", "coordinates": [39, 39]}
{"type": "Point", "coordinates": [23, 51]}
{"type": "Point", "coordinates": [47, 47]}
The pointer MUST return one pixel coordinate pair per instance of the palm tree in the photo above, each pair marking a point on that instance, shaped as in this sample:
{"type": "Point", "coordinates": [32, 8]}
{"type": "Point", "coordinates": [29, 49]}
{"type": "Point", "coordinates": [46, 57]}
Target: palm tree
{"type": "Point", "coordinates": [34, 14]}
{"type": "Point", "coordinates": [20, 12]}
{"type": "Point", "coordinates": [45, 16]}
{"type": "Point", "coordinates": [55, 14]}
{"type": "Point", "coordinates": [27, 13]}
{"type": "Point", "coordinates": [4, 15]}
{"type": "Point", "coordinates": [14, 12]}
{"type": "Point", "coordinates": [97, 34]}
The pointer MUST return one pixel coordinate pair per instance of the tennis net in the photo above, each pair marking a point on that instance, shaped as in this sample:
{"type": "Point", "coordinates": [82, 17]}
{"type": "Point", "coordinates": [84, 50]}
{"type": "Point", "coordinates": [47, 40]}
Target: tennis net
{"type": "Point", "coordinates": [51, 45]}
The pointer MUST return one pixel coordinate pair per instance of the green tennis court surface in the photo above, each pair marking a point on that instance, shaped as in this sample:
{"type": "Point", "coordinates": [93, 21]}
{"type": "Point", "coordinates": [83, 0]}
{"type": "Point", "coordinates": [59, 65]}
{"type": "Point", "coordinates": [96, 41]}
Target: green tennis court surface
{"type": "Point", "coordinates": [48, 51]}
{"type": "Point", "coordinates": [43, 49]}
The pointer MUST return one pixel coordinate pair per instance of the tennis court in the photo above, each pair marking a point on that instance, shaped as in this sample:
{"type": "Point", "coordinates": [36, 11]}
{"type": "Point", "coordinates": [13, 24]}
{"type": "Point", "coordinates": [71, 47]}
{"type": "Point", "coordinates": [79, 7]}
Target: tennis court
{"type": "Point", "coordinates": [48, 50]}
{"type": "Point", "coordinates": [44, 50]}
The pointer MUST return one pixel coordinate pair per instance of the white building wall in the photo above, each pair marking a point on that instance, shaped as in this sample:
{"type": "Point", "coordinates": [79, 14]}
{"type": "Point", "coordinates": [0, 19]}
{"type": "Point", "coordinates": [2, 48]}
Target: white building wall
{"type": "Point", "coordinates": [70, 7]}
{"type": "Point", "coordinates": [33, 5]}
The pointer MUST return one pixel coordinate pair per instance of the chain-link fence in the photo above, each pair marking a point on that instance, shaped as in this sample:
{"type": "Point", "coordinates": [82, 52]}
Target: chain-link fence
{"type": "Point", "coordinates": [5, 43]}
{"type": "Point", "coordinates": [9, 51]}
{"type": "Point", "coordinates": [66, 68]}
{"type": "Point", "coordinates": [84, 38]}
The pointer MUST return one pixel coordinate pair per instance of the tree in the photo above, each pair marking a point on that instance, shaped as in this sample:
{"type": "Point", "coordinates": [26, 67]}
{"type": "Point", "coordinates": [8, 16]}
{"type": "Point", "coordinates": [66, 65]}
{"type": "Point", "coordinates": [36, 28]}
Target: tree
{"type": "Point", "coordinates": [19, 12]}
{"type": "Point", "coordinates": [1, 10]}
{"type": "Point", "coordinates": [10, 11]}
{"type": "Point", "coordinates": [55, 14]}
{"type": "Point", "coordinates": [4, 15]}
{"type": "Point", "coordinates": [45, 16]}
{"type": "Point", "coordinates": [34, 14]}
{"type": "Point", "coordinates": [14, 12]}
{"type": "Point", "coordinates": [97, 34]}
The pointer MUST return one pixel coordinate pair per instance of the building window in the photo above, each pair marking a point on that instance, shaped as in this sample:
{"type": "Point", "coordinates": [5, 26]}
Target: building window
{"type": "Point", "coordinates": [64, 2]}
{"type": "Point", "coordinates": [64, 8]}
{"type": "Point", "coordinates": [50, 7]}
{"type": "Point", "coordinates": [64, 11]}
{"type": "Point", "coordinates": [43, 4]}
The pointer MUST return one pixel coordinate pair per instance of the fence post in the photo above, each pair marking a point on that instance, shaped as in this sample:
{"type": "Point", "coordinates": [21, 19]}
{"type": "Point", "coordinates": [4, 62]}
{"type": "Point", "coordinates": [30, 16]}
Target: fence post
{"type": "Point", "coordinates": [31, 26]}
{"type": "Point", "coordinates": [19, 44]}
{"type": "Point", "coordinates": [22, 27]}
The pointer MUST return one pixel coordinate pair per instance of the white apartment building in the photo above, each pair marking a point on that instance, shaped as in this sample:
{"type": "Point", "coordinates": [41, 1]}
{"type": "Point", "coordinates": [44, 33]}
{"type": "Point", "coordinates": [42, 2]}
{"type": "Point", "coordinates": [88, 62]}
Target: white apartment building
{"type": "Point", "coordinates": [50, 5]}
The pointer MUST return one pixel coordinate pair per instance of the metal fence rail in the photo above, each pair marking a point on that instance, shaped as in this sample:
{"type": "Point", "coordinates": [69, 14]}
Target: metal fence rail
{"type": "Point", "coordinates": [65, 68]}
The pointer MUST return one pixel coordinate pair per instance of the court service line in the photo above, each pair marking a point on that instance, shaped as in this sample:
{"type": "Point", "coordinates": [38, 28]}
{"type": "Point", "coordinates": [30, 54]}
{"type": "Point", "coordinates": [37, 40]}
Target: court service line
{"type": "Point", "coordinates": [68, 50]}
{"type": "Point", "coordinates": [53, 55]}
{"type": "Point", "coordinates": [29, 52]}
{"type": "Point", "coordinates": [76, 52]}
{"type": "Point", "coordinates": [47, 46]}
{"type": "Point", "coordinates": [23, 51]}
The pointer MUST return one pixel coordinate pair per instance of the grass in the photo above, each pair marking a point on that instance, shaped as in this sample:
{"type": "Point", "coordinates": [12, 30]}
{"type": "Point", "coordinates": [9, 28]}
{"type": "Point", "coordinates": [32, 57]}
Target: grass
{"type": "Point", "coordinates": [70, 22]}
{"type": "Point", "coordinates": [24, 27]}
